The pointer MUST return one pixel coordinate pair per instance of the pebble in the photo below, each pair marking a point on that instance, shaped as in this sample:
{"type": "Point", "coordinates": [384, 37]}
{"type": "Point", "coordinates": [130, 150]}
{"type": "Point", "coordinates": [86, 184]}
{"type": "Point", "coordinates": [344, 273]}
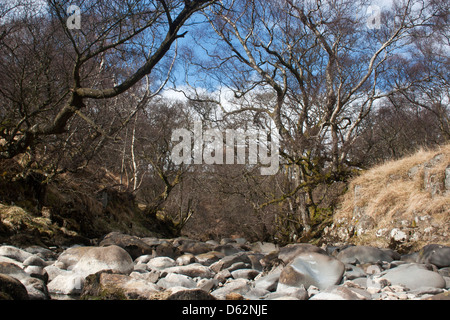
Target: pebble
{"type": "Point", "coordinates": [230, 269]}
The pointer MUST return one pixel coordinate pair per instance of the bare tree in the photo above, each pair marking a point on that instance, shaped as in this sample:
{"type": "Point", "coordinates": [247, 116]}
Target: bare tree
{"type": "Point", "coordinates": [315, 69]}
{"type": "Point", "coordinates": [55, 72]}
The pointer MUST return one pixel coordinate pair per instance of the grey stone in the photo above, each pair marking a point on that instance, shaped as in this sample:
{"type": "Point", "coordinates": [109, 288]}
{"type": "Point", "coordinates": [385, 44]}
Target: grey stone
{"type": "Point", "coordinates": [414, 276]}
{"type": "Point", "coordinates": [438, 255]}
{"type": "Point", "coordinates": [207, 284]}
{"type": "Point", "coordinates": [14, 253]}
{"type": "Point", "coordinates": [151, 276]}
{"type": "Point", "coordinates": [68, 284]}
{"type": "Point", "coordinates": [195, 247]}
{"type": "Point", "coordinates": [312, 268]}
{"type": "Point", "coordinates": [104, 258]}
{"type": "Point", "coordinates": [209, 258]}
{"type": "Point", "coordinates": [289, 252]}
{"type": "Point", "coordinates": [264, 247]}
{"type": "Point", "coordinates": [268, 282]}
{"type": "Point", "coordinates": [12, 289]}
{"type": "Point", "coordinates": [227, 261]}
{"type": "Point", "coordinates": [192, 270]}
{"type": "Point", "coordinates": [364, 254]}
{"type": "Point", "coordinates": [132, 244]}
{"type": "Point", "coordinates": [239, 286]}
{"type": "Point", "coordinates": [185, 259]}
{"type": "Point", "coordinates": [34, 260]}
{"type": "Point", "coordinates": [299, 293]}
{"type": "Point", "coordinates": [341, 293]}
{"type": "Point", "coordinates": [71, 256]}
{"type": "Point", "coordinates": [248, 274]}
{"type": "Point", "coordinates": [160, 263]}
{"type": "Point", "coordinates": [176, 280]}
{"type": "Point", "coordinates": [191, 294]}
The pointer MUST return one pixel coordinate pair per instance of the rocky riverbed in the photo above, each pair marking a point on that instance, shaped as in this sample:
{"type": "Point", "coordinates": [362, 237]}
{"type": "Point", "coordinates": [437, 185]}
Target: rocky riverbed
{"type": "Point", "coordinates": [128, 267]}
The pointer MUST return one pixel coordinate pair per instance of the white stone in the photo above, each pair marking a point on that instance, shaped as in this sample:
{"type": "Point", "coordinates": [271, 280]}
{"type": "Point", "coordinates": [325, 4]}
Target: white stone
{"type": "Point", "coordinates": [160, 263]}
{"type": "Point", "coordinates": [68, 283]}
{"type": "Point", "coordinates": [104, 258]}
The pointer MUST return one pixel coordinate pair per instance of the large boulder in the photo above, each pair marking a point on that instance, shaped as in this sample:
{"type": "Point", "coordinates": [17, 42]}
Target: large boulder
{"type": "Point", "coordinates": [438, 255]}
{"type": "Point", "coordinates": [366, 254]}
{"type": "Point", "coordinates": [414, 276]}
{"type": "Point", "coordinates": [104, 258]}
{"type": "Point", "coordinates": [109, 286]}
{"type": "Point", "coordinates": [36, 288]}
{"type": "Point", "coordinates": [312, 268]}
{"type": "Point", "coordinates": [70, 257]}
{"type": "Point", "coordinates": [132, 244]}
{"type": "Point", "coordinates": [12, 289]}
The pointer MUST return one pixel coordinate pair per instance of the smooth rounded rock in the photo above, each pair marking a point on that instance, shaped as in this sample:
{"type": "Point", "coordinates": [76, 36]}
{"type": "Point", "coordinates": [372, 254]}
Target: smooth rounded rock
{"type": "Point", "coordinates": [12, 289]}
{"type": "Point", "coordinates": [160, 263]}
{"type": "Point", "coordinates": [414, 276]}
{"type": "Point", "coordinates": [364, 254]}
{"type": "Point", "coordinates": [438, 255]}
{"type": "Point", "coordinates": [312, 268]}
{"type": "Point", "coordinates": [14, 253]}
{"type": "Point", "coordinates": [104, 258]}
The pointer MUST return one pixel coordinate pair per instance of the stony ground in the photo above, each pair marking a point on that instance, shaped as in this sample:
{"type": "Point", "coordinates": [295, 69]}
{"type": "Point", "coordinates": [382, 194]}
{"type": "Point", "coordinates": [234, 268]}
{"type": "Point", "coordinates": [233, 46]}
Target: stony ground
{"type": "Point", "coordinates": [128, 267]}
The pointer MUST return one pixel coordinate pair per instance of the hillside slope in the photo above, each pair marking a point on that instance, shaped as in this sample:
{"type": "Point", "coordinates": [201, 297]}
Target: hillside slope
{"type": "Point", "coordinates": [401, 204]}
{"type": "Point", "coordinates": [69, 208]}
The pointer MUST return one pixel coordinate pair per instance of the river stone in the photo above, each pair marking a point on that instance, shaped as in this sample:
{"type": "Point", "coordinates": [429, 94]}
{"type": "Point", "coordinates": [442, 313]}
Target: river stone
{"type": "Point", "coordinates": [71, 256]}
{"type": "Point", "coordinates": [239, 286]}
{"type": "Point", "coordinates": [34, 260]}
{"type": "Point", "coordinates": [176, 280]}
{"type": "Point", "coordinates": [12, 289]}
{"type": "Point", "coordinates": [230, 260]}
{"type": "Point", "coordinates": [167, 249]}
{"type": "Point", "coordinates": [291, 251]}
{"type": "Point", "coordinates": [268, 282]}
{"type": "Point", "coordinates": [68, 283]}
{"type": "Point", "coordinates": [209, 258]}
{"type": "Point", "coordinates": [364, 254]}
{"type": "Point", "coordinates": [299, 293]}
{"type": "Point", "coordinates": [160, 263]}
{"type": "Point", "coordinates": [44, 253]}
{"type": "Point", "coordinates": [185, 259]}
{"type": "Point", "coordinates": [131, 288]}
{"type": "Point", "coordinates": [132, 244]}
{"type": "Point", "coordinates": [249, 274]}
{"type": "Point", "coordinates": [312, 268]}
{"type": "Point", "coordinates": [104, 258]}
{"type": "Point", "coordinates": [191, 294]}
{"type": "Point", "coordinates": [341, 293]}
{"type": "Point", "coordinates": [414, 276]}
{"type": "Point", "coordinates": [264, 247]}
{"type": "Point", "coordinates": [36, 288]}
{"type": "Point", "coordinates": [14, 253]}
{"type": "Point", "coordinates": [195, 247]}
{"type": "Point", "coordinates": [438, 255]}
{"type": "Point", "coordinates": [192, 270]}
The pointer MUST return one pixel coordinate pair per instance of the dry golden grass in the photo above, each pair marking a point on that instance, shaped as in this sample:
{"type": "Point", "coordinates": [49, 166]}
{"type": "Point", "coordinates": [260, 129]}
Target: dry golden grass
{"type": "Point", "coordinates": [395, 191]}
